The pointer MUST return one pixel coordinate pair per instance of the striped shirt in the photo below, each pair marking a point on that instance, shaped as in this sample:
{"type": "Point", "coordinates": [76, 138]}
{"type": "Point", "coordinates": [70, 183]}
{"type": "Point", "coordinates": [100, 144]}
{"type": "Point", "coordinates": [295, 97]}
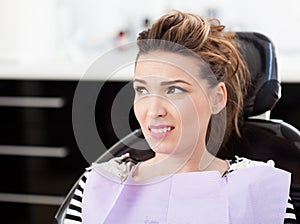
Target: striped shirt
{"type": "Point", "coordinates": [74, 211]}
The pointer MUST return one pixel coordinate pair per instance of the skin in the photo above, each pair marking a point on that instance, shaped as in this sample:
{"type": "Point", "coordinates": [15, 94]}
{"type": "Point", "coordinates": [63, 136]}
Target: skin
{"type": "Point", "coordinates": [173, 106]}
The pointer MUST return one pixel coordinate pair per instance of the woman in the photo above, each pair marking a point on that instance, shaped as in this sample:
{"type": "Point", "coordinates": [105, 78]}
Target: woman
{"type": "Point", "coordinates": [189, 85]}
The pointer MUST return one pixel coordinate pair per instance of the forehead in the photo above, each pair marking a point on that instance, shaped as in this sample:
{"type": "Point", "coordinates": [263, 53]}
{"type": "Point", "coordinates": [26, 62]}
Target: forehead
{"type": "Point", "coordinates": [167, 65]}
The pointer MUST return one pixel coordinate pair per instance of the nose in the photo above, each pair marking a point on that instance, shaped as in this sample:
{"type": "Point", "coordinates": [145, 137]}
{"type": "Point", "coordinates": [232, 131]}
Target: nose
{"type": "Point", "coordinates": [156, 107]}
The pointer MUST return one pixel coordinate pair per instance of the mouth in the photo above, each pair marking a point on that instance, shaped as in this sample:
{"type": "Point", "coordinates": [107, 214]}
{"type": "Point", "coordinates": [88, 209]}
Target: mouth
{"type": "Point", "coordinates": [160, 131]}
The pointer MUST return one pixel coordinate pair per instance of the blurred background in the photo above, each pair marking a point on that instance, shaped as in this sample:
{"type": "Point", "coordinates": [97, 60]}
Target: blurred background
{"type": "Point", "coordinates": [40, 36]}
{"type": "Point", "coordinates": [45, 48]}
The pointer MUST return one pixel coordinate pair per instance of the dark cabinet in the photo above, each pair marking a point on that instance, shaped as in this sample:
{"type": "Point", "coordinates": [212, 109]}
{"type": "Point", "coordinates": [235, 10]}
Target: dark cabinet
{"type": "Point", "coordinates": [39, 156]}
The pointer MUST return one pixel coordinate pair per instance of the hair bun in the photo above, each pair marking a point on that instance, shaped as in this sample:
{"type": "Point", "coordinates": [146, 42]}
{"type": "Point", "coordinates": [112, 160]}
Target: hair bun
{"type": "Point", "coordinates": [143, 35]}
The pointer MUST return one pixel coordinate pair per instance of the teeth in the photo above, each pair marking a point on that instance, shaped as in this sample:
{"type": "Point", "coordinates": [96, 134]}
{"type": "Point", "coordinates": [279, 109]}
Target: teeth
{"type": "Point", "coordinates": [160, 130]}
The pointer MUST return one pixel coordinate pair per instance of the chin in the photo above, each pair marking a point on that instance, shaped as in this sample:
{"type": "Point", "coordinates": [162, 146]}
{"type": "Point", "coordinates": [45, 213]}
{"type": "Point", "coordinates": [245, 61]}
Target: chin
{"type": "Point", "coordinates": [161, 150]}
{"type": "Point", "coordinates": [160, 146]}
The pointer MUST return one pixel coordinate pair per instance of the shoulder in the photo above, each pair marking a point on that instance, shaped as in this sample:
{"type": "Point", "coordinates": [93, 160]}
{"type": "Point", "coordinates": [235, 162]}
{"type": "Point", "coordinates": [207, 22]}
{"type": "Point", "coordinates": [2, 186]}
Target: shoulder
{"type": "Point", "coordinates": [258, 176]}
{"type": "Point", "coordinates": [241, 162]}
{"type": "Point", "coordinates": [118, 166]}
{"type": "Point", "coordinates": [255, 183]}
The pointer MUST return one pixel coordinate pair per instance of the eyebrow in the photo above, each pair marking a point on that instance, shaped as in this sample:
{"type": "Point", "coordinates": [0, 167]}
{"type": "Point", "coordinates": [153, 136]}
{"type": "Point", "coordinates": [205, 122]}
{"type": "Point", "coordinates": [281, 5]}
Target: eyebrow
{"type": "Point", "coordinates": [140, 80]}
{"type": "Point", "coordinates": [174, 82]}
{"type": "Point", "coordinates": [165, 82]}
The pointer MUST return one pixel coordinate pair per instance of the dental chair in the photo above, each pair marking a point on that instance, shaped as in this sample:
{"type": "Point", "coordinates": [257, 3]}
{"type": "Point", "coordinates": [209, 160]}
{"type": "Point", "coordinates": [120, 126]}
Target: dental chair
{"type": "Point", "coordinates": [261, 139]}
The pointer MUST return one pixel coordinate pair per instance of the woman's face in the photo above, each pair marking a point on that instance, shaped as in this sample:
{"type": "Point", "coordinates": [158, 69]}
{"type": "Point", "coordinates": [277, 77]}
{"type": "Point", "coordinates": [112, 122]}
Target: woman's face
{"type": "Point", "coordinates": [172, 103]}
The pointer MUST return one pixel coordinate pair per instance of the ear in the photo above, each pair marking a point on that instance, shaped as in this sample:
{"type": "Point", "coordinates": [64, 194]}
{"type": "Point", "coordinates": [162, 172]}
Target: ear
{"type": "Point", "coordinates": [219, 98]}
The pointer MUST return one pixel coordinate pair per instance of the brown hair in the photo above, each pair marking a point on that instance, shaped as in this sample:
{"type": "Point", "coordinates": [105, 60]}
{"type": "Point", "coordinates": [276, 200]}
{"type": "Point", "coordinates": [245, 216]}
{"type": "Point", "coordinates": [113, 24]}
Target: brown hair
{"type": "Point", "coordinates": [206, 38]}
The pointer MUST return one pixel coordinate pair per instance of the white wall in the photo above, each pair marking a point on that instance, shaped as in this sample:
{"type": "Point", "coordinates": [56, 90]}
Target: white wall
{"type": "Point", "coordinates": [27, 30]}
{"type": "Point", "coordinates": [51, 33]}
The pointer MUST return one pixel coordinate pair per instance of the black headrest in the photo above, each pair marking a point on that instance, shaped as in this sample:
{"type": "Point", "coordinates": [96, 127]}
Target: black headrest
{"type": "Point", "coordinates": [265, 90]}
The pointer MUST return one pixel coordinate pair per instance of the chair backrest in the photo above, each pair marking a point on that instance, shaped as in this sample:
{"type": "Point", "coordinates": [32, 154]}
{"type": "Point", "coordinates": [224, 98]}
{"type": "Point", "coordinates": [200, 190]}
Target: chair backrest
{"type": "Point", "coordinates": [262, 139]}
{"type": "Point", "coordinates": [265, 89]}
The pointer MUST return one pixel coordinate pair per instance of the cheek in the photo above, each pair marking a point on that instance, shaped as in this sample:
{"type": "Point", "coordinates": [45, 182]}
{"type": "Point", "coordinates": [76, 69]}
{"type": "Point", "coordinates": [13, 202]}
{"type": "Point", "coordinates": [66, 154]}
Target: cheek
{"type": "Point", "coordinates": [195, 115]}
{"type": "Point", "coordinates": [139, 111]}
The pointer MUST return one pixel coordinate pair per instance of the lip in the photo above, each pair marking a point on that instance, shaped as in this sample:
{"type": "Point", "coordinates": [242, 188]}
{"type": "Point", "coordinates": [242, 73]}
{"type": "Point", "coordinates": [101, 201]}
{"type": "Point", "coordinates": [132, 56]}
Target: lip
{"type": "Point", "coordinates": [160, 131]}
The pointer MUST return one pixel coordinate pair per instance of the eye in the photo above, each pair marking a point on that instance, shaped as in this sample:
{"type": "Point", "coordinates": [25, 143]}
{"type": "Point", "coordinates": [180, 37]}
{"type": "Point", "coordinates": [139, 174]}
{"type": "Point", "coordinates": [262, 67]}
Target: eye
{"type": "Point", "coordinates": [175, 90]}
{"type": "Point", "coordinates": [141, 90]}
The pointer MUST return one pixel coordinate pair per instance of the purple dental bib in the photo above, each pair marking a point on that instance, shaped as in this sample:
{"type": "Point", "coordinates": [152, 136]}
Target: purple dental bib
{"type": "Point", "coordinates": [256, 195]}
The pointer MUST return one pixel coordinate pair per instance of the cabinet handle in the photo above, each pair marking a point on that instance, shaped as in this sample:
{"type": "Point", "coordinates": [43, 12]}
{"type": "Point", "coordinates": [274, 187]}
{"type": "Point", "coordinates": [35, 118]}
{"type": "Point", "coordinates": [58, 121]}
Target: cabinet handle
{"type": "Point", "coordinates": [36, 151]}
{"type": "Point", "coordinates": [31, 199]}
{"type": "Point", "coordinates": [43, 102]}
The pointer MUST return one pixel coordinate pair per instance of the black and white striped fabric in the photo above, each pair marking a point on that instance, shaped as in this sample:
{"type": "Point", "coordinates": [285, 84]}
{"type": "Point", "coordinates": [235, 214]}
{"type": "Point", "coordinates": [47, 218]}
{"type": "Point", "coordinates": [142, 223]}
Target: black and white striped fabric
{"type": "Point", "coordinates": [74, 212]}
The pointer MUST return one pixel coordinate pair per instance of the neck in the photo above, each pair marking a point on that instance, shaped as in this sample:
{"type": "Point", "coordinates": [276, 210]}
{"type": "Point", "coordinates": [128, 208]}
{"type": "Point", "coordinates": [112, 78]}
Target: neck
{"type": "Point", "coordinates": [162, 165]}
{"type": "Point", "coordinates": [198, 160]}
